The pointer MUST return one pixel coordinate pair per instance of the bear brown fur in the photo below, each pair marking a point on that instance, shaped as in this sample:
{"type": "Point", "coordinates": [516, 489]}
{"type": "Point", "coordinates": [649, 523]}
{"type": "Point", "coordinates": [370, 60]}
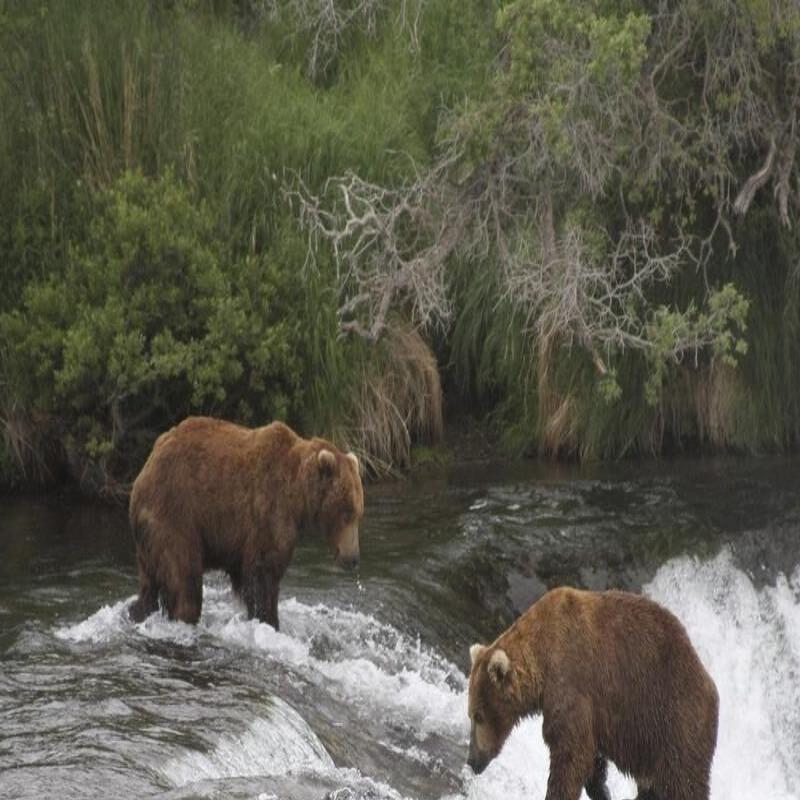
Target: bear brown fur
{"type": "Point", "coordinates": [214, 495]}
{"type": "Point", "coordinates": [614, 676]}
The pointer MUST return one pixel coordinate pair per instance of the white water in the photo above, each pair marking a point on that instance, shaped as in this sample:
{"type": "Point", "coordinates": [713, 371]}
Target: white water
{"type": "Point", "coordinates": [748, 638]}
{"type": "Point", "coordinates": [750, 642]}
{"type": "Point", "coordinates": [275, 745]}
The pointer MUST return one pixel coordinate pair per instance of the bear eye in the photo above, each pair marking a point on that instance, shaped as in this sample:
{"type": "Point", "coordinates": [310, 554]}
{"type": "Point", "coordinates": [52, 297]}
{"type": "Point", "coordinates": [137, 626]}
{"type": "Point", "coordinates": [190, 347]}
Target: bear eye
{"type": "Point", "coordinates": [478, 717]}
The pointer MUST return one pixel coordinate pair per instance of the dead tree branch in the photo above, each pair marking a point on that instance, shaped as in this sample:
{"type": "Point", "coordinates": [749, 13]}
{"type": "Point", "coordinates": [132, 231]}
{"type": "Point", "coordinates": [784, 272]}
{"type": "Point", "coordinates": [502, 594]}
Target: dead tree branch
{"type": "Point", "coordinates": [389, 247]}
{"type": "Point", "coordinates": [742, 202]}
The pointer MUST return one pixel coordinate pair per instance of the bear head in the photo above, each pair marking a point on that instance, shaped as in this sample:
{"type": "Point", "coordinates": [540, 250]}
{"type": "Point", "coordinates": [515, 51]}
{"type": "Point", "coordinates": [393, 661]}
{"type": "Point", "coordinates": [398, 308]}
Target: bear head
{"type": "Point", "coordinates": [337, 500]}
{"type": "Point", "coordinates": [493, 694]}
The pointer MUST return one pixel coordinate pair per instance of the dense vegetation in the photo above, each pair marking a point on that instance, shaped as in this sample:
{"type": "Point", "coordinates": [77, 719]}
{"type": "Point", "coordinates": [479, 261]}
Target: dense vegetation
{"type": "Point", "coordinates": [576, 215]}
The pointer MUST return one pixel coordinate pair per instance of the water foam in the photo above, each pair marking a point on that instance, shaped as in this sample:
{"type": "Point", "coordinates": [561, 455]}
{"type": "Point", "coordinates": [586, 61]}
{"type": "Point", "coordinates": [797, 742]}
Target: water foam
{"type": "Point", "coordinates": [105, 625]}
{"type": "Point", "coordinates": [358, 658]}
{"type": "Point", "coordinates": [112, 623]}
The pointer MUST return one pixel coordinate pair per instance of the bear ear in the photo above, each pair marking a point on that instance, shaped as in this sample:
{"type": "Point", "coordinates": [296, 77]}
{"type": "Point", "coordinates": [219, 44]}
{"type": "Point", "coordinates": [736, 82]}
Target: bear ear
{"type": "Point", "coordinates": [326, 461]}
{"type": "Point", "coordinates": [474, 654]}
{"type": "Point", "coordinates": [499, 666]}
{"type": "Point", "coordinates": [354, 458]}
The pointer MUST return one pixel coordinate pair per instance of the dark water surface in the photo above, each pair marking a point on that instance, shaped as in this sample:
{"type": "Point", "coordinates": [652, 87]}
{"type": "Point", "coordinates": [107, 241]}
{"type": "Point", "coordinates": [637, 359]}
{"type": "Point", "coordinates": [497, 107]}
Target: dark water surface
{"type": "Point", "coordinates": [363, 692]}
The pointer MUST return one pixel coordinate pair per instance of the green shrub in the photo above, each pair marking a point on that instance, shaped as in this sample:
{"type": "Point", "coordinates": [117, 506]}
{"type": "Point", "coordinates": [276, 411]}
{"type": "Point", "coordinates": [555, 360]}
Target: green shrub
{"type": "Point", "coordinates": [150, 322]}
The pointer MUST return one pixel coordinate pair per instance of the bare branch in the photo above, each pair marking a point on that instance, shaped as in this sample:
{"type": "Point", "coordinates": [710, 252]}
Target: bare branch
{"type": "Point", "coordinates": [755, 182]}
{"type": "Point", "coordinates": [389, 245]}
{"type": "Point", "coordinates": [589, 290]}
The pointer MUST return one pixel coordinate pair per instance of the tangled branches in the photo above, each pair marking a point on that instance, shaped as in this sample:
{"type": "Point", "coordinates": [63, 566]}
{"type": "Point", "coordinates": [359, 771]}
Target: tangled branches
{"type": "Point", "coordinates": [742, 68]}
{"type": "Point", "coordinates": [590, 292]}
{"type": "Point", "coordinates": [616, 147]}
{"type": "Point", "coordinates": [389, 245]}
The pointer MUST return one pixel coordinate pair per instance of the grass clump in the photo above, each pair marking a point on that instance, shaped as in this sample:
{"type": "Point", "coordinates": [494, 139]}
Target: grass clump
{"type": "Point", "coordinates": [398, 402]}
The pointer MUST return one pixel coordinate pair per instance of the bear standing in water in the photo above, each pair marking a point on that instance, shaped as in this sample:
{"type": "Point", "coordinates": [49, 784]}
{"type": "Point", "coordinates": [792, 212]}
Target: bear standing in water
{"type": "Point", "coordinates": [614, 676]}
{"type": "Point", "coordinates": [214, 495]}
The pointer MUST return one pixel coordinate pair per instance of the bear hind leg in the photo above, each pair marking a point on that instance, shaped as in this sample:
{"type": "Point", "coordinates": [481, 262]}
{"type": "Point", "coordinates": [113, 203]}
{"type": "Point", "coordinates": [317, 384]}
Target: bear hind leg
{"type": "Point", "coordinates": [596, 788]}
{"type": "Point", "coordinates": [260, 593]}
{"type": "Point", "coordinates": [183, 594]}
{"type": "Point", "coordinates": [147, 601]}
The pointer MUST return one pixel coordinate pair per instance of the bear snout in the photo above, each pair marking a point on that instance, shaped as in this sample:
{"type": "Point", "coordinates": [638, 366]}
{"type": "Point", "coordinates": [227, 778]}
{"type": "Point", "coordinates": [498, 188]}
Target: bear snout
{"type": "Point", "coordinates": [348, 562]}
{"type": "Point", "coordinates": [477, 760]}
{"type": "Point", "coordinates": [476, 763]}
{"type": "Point", "coordinates": [346, 549]}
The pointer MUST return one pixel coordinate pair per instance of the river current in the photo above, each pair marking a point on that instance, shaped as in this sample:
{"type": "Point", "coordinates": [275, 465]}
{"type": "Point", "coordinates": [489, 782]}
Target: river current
{"type": "Point", "coordinates": [362, 694]}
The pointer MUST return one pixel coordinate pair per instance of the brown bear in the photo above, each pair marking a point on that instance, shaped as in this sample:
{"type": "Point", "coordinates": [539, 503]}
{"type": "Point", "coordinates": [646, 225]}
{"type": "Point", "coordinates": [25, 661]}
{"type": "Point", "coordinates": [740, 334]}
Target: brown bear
{"type": "Point", "coordinates": [214, 495]}
{"type": "Point", "coordinates": [614, 676]}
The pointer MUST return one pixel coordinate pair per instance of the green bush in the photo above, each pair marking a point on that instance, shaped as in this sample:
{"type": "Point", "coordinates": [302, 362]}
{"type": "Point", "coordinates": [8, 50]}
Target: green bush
{"type": "Point", "coordinates": [149, 322]}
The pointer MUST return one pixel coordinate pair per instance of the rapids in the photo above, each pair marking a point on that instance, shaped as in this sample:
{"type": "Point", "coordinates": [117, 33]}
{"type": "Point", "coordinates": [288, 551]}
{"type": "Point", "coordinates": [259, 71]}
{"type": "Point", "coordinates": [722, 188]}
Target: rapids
{"type": "Point", "coordinates": [362, 694]}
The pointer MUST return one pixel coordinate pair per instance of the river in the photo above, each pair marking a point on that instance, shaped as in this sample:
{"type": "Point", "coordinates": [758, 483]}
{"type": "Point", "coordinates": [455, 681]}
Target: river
{"type": "Point", "coordinates": [362, 694]}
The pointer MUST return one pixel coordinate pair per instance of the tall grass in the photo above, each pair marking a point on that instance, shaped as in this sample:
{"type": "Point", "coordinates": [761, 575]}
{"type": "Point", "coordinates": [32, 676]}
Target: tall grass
{"type": "Point", "coordinates": [212, 93]}
{"type": "Point", "coordinates": [398, 402]}
{"type": "Point", "coordinates": [549, 400]}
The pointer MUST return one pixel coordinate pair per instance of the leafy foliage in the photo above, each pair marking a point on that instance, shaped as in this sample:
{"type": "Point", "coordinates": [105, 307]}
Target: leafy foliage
{"type": "Point", "coordinates": [717, 327]}
{"type": "Point", "coordinates": [583, 205]}
{"type": "Point", "coordinates": [146, 321]}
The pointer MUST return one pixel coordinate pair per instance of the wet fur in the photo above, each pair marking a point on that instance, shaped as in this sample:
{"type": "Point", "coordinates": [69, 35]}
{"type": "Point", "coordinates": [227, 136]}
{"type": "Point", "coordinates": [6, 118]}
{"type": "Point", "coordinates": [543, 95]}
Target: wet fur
{"type": "Point", "coordinates": [615, 677]}
{"type": "Point", "coordinates": [214, 495]}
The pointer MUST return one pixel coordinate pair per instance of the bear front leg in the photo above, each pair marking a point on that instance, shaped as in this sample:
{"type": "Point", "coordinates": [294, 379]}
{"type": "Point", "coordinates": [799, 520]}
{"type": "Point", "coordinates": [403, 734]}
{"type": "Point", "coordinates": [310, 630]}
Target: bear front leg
{"type": "Point", "coordinates": [569, 772]}
{"type": "Point", "coordinates": [271, 603]}
{"type": "Point", "coordinates": [567, 731]}
{"type": "Point", "coordinates": [596, 787]}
